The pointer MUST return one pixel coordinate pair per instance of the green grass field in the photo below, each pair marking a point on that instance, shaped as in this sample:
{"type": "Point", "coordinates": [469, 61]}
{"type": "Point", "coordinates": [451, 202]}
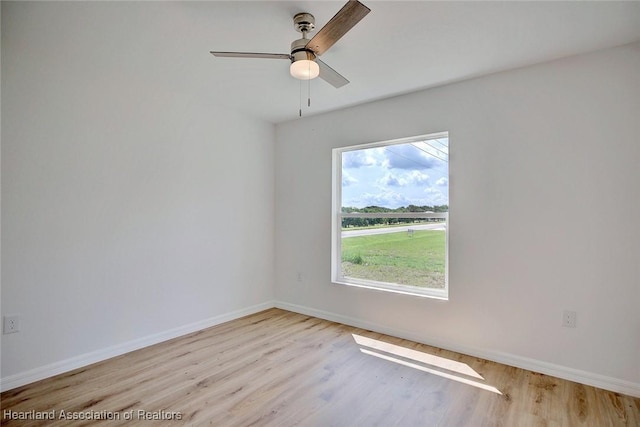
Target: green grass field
{"type": "Point", "coordinates": [397, 258]}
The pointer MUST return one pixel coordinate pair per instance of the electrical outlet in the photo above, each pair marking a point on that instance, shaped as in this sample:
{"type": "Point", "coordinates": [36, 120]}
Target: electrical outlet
{"type": "Point", "coordinates": [11, 324]}
{"type": "Point", "coordinates": [569, 319]}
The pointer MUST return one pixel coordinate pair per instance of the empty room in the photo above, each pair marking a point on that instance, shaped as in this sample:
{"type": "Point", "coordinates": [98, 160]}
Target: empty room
{"type": "Point", "coordinates": [320, 213]}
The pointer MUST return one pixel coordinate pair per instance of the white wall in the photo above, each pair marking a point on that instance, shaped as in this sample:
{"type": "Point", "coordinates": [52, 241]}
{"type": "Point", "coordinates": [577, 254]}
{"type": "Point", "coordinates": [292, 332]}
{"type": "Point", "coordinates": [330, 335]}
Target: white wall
{"type": "Point", "coordinates": [544, 216]}
{"type": "Point", "coordinates": [132, 205]}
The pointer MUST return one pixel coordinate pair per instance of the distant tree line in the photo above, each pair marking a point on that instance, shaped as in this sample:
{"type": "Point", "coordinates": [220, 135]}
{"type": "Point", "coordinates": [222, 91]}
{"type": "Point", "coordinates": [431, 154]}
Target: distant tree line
{"type": "Point", "coordinates": [367, 222]}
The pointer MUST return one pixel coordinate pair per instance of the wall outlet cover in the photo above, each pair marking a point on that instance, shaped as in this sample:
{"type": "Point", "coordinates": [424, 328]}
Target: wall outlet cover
{"type": "Point", "coordinates": [11, 324]}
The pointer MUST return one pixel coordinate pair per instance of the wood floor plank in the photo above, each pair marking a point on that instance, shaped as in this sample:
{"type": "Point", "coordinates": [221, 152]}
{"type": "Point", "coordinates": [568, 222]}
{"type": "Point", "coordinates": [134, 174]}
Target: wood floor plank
{"type": "Point", "coordinates": [278, 368]}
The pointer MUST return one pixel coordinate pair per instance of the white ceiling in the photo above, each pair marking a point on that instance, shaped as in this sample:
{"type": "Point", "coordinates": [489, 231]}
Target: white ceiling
{"type": "Point", "coordinates": [398, 48]}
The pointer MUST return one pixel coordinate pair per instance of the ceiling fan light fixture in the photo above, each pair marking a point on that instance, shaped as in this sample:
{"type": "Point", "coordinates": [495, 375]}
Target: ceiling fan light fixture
{"type": "Point", "coordinates": [304, 69]}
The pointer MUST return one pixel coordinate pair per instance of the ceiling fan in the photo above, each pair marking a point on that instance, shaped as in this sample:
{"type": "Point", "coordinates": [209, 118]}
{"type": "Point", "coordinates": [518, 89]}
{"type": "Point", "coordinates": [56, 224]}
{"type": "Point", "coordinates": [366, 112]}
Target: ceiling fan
{"type": "Point", "coordinates": [305, 64]}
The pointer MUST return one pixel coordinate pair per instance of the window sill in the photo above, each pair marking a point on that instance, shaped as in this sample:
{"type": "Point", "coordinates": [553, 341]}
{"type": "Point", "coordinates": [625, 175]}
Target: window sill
{"type": "Point", "coordinates": [439, 294]}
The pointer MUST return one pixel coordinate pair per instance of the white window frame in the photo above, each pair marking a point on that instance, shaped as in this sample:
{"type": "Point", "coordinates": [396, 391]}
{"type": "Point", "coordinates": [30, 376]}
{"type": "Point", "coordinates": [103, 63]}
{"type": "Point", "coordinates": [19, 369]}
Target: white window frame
{"type": "Point", "coordinates": [336, 226]}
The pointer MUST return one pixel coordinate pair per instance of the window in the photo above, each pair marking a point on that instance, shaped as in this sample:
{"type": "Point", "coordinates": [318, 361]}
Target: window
{"type": "Point", "coordinates": [390, 215]}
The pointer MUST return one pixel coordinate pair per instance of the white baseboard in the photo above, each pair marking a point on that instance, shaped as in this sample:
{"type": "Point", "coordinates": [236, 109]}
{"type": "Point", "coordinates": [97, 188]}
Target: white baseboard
{"type": "Point", "coordinates": [582, 377]}
{"type": "Point", "coordinates": [82, 360]}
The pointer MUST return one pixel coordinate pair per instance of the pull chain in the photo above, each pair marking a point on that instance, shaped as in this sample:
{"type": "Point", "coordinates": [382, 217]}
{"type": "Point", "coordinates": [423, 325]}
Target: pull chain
{"type": "Point", "coordinates": [300, 101]}
{"type": "Point", "coordinates": [309, 88]}
{"type": "Point", "coordinates": [308, 94]}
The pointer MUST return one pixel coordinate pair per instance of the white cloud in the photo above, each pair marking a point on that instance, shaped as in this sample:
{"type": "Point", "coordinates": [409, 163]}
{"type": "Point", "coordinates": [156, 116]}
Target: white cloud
{"type": "Point", "coordinates": [419, 178]}
{"type": "Point", "coordinates": [413, 178]}
{"type": "Point", "coordinates": [357, 159]}
{"type": "Point", "coordinates": [347, 179]}
{"type": "Point", "coordinates": [392, 181]}
{"type": "Point", "coordinates": [435, 197]}
{"type": "Point", "coordinates": [442, 182]}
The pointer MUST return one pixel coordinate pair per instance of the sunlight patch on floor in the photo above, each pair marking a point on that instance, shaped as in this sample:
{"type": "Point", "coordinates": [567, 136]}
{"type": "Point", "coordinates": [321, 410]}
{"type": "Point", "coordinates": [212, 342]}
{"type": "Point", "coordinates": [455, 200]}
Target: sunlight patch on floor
{"type": "Point", "coordinates": [458, 371]}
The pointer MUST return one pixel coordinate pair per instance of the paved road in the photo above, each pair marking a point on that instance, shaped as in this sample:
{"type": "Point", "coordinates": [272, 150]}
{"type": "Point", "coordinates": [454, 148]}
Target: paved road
{"type": "Point", "coordinates": [403, 229]}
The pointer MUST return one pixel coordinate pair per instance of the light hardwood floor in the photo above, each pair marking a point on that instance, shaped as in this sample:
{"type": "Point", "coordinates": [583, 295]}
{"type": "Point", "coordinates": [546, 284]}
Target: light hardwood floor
{"type": "Point", "coordinates": [278, 368]}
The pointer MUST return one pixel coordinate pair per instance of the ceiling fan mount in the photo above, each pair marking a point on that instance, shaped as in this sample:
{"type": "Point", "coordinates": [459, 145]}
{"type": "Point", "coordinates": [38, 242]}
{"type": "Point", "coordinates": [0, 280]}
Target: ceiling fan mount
{"type": "Point", "coordinates": [304, 23]}
{"type": "Point", "coordinates": [305, 64]}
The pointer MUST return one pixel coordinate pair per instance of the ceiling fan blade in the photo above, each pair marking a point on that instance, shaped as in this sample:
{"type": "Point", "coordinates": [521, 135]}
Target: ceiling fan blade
{"type": "Point", "coordinates": [330, 75]}
{"type": "Point", "coordinates": [346, 18]}
{"type": "Point", "coordinates": [251, 55]}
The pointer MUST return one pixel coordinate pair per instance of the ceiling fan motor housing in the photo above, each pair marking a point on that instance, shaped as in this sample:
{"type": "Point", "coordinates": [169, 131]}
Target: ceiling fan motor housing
{"type": "Point", "coordinates": [299, 51]}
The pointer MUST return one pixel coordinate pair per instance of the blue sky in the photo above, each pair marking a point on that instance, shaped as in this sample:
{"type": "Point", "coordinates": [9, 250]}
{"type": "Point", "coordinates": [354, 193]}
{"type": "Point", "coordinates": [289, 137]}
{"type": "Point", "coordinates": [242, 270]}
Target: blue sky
{"type": "Point", "coordinates": [415, 173]}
